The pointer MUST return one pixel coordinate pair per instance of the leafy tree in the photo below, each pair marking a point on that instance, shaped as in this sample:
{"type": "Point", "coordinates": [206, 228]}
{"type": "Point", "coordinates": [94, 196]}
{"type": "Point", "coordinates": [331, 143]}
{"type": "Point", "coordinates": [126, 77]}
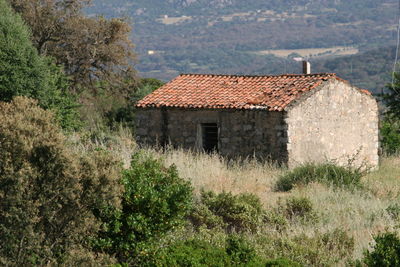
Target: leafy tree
{"type": "Point", "coordinates": [90, 49]}
{"type": "Point", "coordinates": [24, 72]}
{"type": "Point", "coordinates": [48, 192]}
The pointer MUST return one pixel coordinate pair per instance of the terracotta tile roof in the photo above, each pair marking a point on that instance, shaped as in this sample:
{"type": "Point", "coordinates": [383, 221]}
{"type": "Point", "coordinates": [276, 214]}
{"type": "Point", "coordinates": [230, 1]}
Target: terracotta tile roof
{"type": "Point", "coordinates": [272, 93]}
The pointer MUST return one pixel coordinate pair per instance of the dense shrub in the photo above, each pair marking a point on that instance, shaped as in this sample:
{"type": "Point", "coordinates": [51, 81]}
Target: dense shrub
{"type": "Point", "coordinates": [386, 251]}
{"type": "Point", "coordinates": [282, 262]}
{"type": "Point", "coordinates": [393, 210]}
{"type": "Point", "coordinates": [242, 212]}
{"type": "Point", "coordinates": [25, 73]}
{"type": "Point", "coordinates": [155, 201]}
{"type": "Point", "coordinates": [240, 251]}
{"type": "Point", "coordinates": [191, 253]}
{"type": "Point", "coordinates": [276, 219]}
{"type": "Point", "coordinates": [299, 208]}
{"type": "Point", "coordinates": [202, 216]}
{"type": "Point", "coordinates": [320, 249]}
{"type": "Point", "coordinates": [48, 192]}
{"type": "Point", "coordinates": [125, 114]}
{"type": "Point", "coordinates": [326, 173]}
{"type": "Point", "coordinates": [198, 252]}
{"type": "Point", "coordinates": [390, 133]}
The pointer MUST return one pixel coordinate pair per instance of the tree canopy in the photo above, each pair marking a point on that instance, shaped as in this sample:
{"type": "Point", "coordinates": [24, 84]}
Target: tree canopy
{"type": "Point", "coordinates": [25, 73]}
{"type": "Point", "coordinates": [92, 50]}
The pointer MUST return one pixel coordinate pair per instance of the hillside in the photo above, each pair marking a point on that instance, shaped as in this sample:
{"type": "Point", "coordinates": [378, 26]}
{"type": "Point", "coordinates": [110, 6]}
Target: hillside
{"type": "Point", "coordinates": [225, 36]}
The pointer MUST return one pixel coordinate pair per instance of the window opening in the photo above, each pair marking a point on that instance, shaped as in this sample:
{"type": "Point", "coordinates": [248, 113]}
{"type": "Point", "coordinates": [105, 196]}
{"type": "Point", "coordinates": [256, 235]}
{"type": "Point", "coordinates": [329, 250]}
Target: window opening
{"type": "Point", "coordinates": [210, 137]}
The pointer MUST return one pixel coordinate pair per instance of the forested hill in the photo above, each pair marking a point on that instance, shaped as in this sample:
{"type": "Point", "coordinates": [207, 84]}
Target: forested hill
{"type": "Point", "coordinates": [225, 36]}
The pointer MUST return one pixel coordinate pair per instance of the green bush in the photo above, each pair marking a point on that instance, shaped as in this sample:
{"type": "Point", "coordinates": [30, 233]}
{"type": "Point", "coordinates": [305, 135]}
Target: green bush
{"type": "Point", "coordinates": [125, 114]}
{"type": "Point", "coordinates": [390, 133]}
{"type": "Point", "coordinates": [282, 262]}
{"type": "Point", "coordinates": [196, 252]}
{"type": "Point", "coordinates": [48, 192]}
{"type": "Point", "coordinates": [276, 219]}
{"type": "Point", "coordinates": [321, 249]}
{"type": "Point", "coordinates": [240, 251]}
{"type": "Point", "coordinates": [299, 207]}
{"type": "Point", "coordinates": [202, 216]}
{"type": "Point", "coordinates": [156, 200]}
{"type": "Point", "coordinates": [386, 251]}
{"type": "Point", "coordinates": [326, 173]}
{"type": "Point", "coordinates": [191, 253]}
{"type": "Point", "coordinates": [393, 210]}
{"type": "Point", "coordinates": [243, 212]}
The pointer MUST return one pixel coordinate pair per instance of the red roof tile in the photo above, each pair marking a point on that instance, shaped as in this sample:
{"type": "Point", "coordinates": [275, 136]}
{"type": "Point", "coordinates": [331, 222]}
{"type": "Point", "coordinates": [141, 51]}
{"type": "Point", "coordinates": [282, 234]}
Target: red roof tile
{"type": "Point", "coordinates": [273, 93]}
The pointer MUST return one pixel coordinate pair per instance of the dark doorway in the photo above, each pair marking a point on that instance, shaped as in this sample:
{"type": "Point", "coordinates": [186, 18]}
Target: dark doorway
{"type": "Point", "coordinates": [210, 136]}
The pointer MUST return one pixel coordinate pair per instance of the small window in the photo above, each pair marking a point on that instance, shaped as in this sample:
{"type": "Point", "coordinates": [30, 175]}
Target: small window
{"type": "Point", "coordinates": [210, 136]}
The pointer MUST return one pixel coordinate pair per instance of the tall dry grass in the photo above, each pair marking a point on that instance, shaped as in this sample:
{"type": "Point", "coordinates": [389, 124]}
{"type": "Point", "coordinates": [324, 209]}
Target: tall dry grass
{"type": "Point", "coordinates": [361, 213]}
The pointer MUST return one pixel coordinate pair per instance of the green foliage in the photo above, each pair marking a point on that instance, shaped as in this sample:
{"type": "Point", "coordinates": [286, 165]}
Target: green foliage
{"type": "Point", "coordinates": [386, 251]}
{"type": "Point", "coordinates": [299, 207]}
{"type": "Point", "coordinates": [282, 262]}
{"type": "Point", "coordinates": [390, 133]}
{"type": "Point", "coordinates": [25, 73]}
{"type": "Point", "coordinates": [392, 96]}
{"type": "Point", "coordinates": [47, 191]}
{"type": "Point", "coordinates": [240, 251]}
{"type": "Point", "coordinates": [276, 218]}
{"type": "Point", "coordinates": [394, 210]}
{"type": "Point", "coordinates": [145, 87]}
{"type": "Point", "coordinates": [125, 114]}
{"type": "Point", "coordinates": [325, 249]}
{"type": "Point", "coordinates": [243, 212]}
{"type": "Point", "coordinates": [202, 216]}
{"type": "Point", "coordinates": [198, 252]}
{"type": "Point", "coordinates": [326, 173]}
{"type": "Point", "coordinates": [193, 253]}
{"type": "Point", "coordinates": [155, 201]}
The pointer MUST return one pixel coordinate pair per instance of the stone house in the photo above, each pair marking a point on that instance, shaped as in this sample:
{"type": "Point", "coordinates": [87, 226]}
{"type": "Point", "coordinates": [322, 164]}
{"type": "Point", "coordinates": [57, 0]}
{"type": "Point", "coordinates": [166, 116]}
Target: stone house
{"type": "Point", "coordinates": [289, 118]}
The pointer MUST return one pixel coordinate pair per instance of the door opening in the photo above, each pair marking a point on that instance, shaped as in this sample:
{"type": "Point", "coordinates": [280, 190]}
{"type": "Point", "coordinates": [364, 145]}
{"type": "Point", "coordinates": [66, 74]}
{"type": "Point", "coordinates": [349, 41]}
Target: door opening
{"type": "Point", "coordinates": [210, 137]}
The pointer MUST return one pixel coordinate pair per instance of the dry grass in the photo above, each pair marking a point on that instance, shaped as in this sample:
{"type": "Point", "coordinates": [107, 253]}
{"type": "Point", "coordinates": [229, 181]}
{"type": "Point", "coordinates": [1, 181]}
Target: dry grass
{"type": "Point", "coordinates": [361, 213]}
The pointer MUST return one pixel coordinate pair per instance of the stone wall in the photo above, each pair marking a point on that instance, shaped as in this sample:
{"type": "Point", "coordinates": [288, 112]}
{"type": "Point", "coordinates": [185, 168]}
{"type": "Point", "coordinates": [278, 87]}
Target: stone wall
{"type": "Point", "coordinates": [241, 133]}
{"type": "Point", "coordinates": [149, 126]}
{"type": "Point", "coordinates": [335, 122]}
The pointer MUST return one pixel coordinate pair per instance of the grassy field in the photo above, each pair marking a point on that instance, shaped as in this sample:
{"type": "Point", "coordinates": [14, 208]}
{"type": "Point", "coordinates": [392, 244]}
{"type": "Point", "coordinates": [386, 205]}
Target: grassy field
{"type": "Point", "coordinates": [360, 213]}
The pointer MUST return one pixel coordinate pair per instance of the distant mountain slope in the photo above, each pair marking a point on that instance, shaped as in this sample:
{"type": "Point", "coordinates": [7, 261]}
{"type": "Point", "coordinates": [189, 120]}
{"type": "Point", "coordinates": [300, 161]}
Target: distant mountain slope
{"type": "Point", "coordinates": [370, 70]}
{"type": "Point", "coordinates": [220, 36]}
{"type": "Point", "coordinates": [254, 24]}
